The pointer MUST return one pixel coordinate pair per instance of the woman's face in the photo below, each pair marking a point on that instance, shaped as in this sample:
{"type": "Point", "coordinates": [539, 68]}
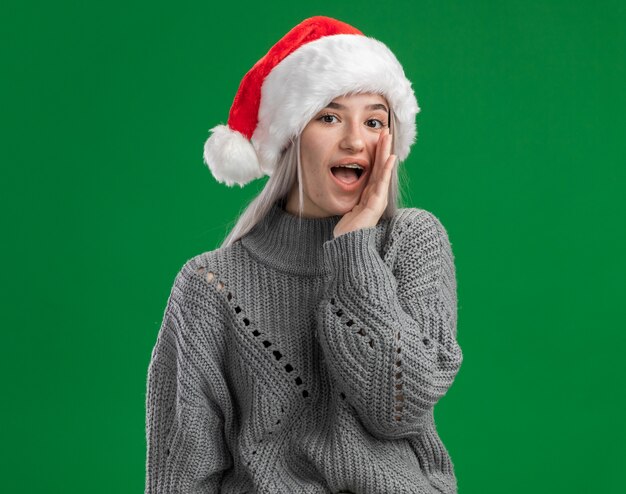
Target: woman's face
{"type": "Point", "coordinates": [344, 132]}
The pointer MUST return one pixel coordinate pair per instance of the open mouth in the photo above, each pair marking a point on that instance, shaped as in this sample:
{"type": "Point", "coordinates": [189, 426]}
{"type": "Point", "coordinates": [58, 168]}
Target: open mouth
{"type": "Point", "coordinates": [348, 175]}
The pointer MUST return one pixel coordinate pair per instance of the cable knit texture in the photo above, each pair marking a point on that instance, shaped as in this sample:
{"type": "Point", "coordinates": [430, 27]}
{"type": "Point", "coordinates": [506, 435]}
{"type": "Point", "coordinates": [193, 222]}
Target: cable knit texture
{"type": "Point", "coordinates": [294, 362]}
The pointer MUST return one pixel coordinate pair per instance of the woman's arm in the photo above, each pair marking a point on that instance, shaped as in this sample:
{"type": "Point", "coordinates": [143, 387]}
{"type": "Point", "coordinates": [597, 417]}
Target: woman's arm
{"type": "Point", "coordinates": [186, 450]}
{"type": "Point", "coordinates": [390, 342]}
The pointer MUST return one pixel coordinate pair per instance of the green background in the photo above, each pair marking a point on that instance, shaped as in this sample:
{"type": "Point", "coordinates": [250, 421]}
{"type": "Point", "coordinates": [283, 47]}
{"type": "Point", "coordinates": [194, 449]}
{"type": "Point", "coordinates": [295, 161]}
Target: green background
{"type": "Point", "coordinates": [520, 153]}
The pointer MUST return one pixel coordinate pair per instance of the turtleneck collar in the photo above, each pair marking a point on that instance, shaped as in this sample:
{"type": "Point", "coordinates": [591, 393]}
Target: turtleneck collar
{"type": "Point", "coordinates": [289, 243]}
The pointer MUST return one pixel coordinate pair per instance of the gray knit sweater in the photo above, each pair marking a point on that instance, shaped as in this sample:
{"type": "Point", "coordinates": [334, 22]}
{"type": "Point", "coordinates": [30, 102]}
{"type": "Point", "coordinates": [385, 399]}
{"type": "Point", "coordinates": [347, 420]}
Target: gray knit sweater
{"type": "Point", "coordinates": [294, 362]}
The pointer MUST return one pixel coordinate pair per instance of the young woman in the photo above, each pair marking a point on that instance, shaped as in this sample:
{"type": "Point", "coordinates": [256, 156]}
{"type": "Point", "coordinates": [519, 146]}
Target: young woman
{"type": "Point", "coordinates": [306, 355]}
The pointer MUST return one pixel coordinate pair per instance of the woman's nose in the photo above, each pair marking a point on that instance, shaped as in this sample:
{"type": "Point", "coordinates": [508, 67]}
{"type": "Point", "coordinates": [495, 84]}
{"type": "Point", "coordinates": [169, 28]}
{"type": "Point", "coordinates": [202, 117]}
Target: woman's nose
{"type": "Point", "coordinates": [353, 138]}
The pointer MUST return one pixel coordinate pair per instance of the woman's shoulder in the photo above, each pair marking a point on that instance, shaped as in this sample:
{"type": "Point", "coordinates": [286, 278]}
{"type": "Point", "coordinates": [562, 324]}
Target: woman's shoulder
{"type": "Point", "coordinates": [195, 310]}
{"type": "Point", "coordinates": [209, 271]}
{"type": "Point", "coordinates": [416, 232]}
{"type": "Point", "coordinates": [416, 222]}
{"type": "Point", "coordinates": [197, 281]}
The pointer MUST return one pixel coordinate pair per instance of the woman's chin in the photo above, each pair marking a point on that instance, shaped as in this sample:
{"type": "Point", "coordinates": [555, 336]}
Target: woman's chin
{"type": "Point", "coordinates": [343, 206]}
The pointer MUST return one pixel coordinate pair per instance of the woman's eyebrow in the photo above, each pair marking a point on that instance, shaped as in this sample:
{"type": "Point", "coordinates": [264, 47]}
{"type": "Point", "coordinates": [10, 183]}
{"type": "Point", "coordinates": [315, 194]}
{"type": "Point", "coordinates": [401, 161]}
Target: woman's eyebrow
{"type": "Point", "coordinates": [337, 106]}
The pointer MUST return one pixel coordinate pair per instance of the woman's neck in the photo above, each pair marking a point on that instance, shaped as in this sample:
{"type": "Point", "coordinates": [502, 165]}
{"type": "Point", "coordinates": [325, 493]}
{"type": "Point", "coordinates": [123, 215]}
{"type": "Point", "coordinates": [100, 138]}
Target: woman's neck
{"type": "Point", "coordinates": [289, 243]}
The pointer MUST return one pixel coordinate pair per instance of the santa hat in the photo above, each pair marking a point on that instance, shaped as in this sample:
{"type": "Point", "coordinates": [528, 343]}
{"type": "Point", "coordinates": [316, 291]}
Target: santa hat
{"type": "Point", "coordinates": [318, 60]}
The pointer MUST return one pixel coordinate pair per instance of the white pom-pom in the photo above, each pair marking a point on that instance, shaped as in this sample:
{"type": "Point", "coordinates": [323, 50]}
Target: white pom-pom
{"type": "Point", "coordinates": [231, 157]}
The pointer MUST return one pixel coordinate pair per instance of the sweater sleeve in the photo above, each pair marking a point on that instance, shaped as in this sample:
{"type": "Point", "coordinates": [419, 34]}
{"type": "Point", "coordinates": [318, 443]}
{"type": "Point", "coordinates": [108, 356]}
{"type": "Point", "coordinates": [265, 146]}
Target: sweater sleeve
{"type": "Point", "coordinates": [390, 340]}
{"type": "Point", "coordinates": [186, 450]}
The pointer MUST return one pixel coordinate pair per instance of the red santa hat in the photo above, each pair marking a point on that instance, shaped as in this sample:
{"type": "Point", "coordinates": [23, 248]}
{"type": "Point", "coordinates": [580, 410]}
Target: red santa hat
{"type": "Point", "coordinates": [318, 60]}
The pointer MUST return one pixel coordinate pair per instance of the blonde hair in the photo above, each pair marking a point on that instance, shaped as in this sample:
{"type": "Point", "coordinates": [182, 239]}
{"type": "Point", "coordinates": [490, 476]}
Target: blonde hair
{"type": "Point", "coordinates": [287, 173]}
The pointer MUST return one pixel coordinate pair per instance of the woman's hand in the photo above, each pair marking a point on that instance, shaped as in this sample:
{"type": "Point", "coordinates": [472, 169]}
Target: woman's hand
{"type": "Point", "coordinates": [373, 199]}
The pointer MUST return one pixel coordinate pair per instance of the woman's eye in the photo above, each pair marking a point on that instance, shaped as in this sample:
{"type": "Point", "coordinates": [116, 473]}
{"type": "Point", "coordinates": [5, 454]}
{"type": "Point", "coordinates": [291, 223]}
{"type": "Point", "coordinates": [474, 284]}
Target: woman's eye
{"type": "Point", "coordinates": [376, 121]}
{"type": "Point", "coordinates": [327, 118]}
